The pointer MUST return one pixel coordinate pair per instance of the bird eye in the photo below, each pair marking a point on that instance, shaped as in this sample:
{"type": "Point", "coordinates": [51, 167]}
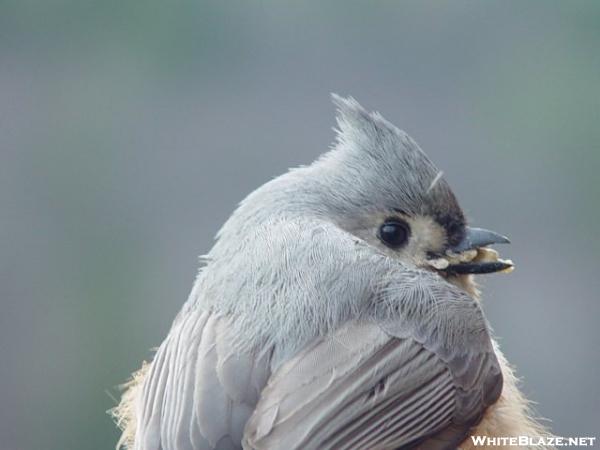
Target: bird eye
{"type": "Point", "coordinates": [394, 233]}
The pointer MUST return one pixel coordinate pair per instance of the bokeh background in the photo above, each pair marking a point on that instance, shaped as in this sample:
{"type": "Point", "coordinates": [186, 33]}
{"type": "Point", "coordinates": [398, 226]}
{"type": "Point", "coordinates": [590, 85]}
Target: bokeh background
{"type": "Point", "coordinates": [130, 130]}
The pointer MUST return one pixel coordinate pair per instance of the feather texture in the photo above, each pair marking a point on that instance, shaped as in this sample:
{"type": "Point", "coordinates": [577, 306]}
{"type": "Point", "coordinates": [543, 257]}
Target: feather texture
{"type": "Point", "coordinates": [362, 387]}
{"type": "Point", "coordinates": [305, 331]}
{"type": "Point", "coordinates": [198, 393]}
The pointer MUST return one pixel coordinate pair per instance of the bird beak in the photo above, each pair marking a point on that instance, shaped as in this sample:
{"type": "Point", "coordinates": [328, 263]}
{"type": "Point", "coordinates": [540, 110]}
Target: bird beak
{"type": "Point", "coordinates": [472, 256]}
{"type": "Point", "coordinates": [478, 237]}
{"type": "Point", "coordinates": [486, 260]}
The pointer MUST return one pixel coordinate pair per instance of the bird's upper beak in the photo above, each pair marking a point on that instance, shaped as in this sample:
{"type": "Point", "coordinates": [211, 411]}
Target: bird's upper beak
{"type": "Point", "coordinates": [472, 256]}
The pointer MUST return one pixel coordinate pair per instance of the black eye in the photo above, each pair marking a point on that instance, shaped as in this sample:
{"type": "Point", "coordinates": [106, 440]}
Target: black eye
{"type": "Point", "coordinates": [394, 233]}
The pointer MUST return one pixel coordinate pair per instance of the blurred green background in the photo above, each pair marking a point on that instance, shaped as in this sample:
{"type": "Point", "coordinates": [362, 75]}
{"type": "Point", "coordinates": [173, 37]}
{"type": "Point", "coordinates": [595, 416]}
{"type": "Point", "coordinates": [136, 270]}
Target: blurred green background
{"type": "Point", "coordinates": [130, 130]}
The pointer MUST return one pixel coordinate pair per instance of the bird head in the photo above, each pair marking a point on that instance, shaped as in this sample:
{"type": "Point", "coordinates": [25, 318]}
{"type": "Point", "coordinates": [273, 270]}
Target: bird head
{"type": "Point", "coordinates": [377, 184]}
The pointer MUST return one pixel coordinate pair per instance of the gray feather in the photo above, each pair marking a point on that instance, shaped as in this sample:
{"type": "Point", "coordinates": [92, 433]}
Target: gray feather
{"type": "Point", "coordinates": [366, 349]}
{"type": "Point", "coordinates": [198, 394]}
{"type": "Point", "coordinates": [383, 385]}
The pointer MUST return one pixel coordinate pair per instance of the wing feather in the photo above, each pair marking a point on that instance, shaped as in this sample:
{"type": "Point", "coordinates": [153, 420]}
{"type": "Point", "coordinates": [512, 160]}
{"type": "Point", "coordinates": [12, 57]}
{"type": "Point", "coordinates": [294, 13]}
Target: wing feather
{"type": "Point", "coordinates": [198, 393]}
{"type": "Point", "coordinates": [371, 385]}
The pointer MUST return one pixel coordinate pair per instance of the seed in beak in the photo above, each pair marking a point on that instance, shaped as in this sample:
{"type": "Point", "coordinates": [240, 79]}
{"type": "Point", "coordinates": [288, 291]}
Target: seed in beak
{"type": "Point", "coordinates": [508, 269]}
{"type": "Point", "coordinates": [439, 263]}
{"type": "Point", "coordinates": [485, 254]}
{"type": "Point", "coordinates": [467, 255]}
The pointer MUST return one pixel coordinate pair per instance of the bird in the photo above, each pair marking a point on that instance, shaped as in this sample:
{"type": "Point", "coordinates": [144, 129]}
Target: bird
{"type": "Point", "coordinates": [337, 309]}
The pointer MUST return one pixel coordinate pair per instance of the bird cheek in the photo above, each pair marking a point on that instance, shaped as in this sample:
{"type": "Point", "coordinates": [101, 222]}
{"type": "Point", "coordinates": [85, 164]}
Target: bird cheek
{"type": "Point", "coordinates": [427, 236]}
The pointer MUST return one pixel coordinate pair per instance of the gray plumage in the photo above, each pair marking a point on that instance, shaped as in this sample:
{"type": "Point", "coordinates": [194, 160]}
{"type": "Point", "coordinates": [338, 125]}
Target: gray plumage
{"type": "Point", "coordinates": [304, 331]}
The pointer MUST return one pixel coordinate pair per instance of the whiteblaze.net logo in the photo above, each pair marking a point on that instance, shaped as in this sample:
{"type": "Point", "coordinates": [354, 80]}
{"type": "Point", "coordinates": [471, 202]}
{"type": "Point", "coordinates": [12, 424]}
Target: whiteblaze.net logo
{"type": "Point", "coordinates": [533, 441]}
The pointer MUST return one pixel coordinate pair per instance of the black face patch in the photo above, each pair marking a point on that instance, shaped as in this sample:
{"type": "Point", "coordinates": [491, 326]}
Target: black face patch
{"type": "Point", "coordinates": [454, 225]}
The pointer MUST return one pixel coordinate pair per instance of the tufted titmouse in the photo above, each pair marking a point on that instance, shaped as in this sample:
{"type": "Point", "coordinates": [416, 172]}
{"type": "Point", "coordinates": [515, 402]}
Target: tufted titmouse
{"type": "Point", "coordinates": [336, 310]}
